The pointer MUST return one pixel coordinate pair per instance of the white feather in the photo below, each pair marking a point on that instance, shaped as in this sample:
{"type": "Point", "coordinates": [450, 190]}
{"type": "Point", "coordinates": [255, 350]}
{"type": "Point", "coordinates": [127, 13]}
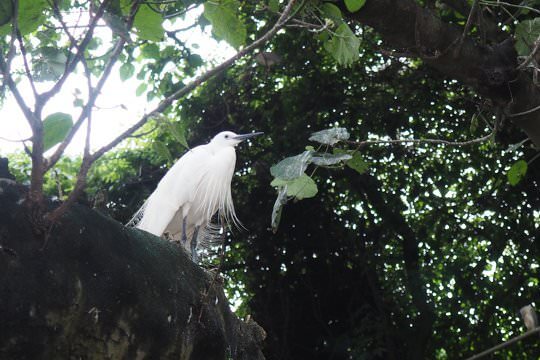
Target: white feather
{"type": "Point", "coordinates": [196, 187]}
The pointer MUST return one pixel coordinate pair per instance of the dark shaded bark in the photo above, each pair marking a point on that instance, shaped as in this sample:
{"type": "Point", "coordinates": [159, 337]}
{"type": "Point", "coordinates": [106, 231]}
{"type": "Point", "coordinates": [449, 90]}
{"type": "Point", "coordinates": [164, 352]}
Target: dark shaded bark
{"type": "Point", "coordinates": [491, 68]}
{"type": "Point", "coordinates": [99, 290]}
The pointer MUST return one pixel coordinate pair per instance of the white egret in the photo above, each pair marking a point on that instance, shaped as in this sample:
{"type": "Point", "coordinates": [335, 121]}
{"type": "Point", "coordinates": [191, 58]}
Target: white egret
{"type": "Point", "coordinates": [196, 187]}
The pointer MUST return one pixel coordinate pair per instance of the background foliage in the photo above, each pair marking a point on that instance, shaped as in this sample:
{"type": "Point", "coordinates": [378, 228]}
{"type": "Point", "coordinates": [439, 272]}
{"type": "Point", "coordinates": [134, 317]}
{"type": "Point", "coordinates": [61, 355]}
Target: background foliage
{"type": "Point", "coordinates": [412, 251]}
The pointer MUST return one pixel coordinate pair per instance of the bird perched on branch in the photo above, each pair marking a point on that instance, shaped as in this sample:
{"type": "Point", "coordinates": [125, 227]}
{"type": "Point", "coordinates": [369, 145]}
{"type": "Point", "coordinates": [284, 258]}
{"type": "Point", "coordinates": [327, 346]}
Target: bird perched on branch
{"type": "Point", "coordinates": [530, 319]}
{"type": "Point", "coordinates": [196, 188]}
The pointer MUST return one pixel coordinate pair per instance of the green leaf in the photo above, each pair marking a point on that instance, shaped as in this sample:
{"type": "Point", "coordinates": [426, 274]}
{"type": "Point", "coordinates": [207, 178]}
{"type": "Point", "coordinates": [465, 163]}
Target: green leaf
{"type": "Point", "coordinates": [126, 71]}
{"type": "Point", "coordinates": [354, 5]}
{"type": "Point", "coordinates": [141, 89]}
{"type": "Point", "coordinates": [358, 163]}
{"type": "Point", "coordinates": [329, 159]}
{"type": "Point", "coordinates": [162, 150]}
{"type": "Point", "coordinates": [55, 128]}
{"type": "Point", "coordinates": [148, 24]}
{"type": "Point", "coordinates": [343, 46]}
{"type": "Point", "coordinates": [31, 15]}
{"type": "Point", "coordinates": [150, 51]}
{"type": "Point", "coordinates": [332, 12]}
{"type": "Point", "coordinates": [273, 5]}
{"type": "Point", "coordinates": [278, 208]}
{"type": "Point", "coordinates": [302, 187]}
{"type": "Point", "coordinates": [292, 167]}
{"type": "Point", "coordinates": [226, 23]}
{"type": "Point", "coordinates": [517, 172]}
{"type": "Point", "coordinates": [330, 136]}
{"type": "Point", "coordinates": [49, 64]}
{"type": "Point", "coordinates": [178, 131]}
{"type": "Point", "coordinates": [6, 11]}
{"type": "Point", "coordinates": [527, 32]}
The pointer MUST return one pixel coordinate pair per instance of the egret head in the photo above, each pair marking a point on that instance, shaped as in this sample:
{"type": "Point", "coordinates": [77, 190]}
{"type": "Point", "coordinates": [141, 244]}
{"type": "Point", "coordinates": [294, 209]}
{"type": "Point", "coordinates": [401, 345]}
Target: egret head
{"type": "Point", "coordinates": [228, 138]}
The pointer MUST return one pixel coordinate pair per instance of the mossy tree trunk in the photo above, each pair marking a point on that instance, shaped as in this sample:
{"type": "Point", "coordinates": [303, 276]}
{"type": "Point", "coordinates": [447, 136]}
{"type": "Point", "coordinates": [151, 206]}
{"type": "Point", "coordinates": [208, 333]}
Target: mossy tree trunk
{"type": "Point", "coordinates": [99, 290]}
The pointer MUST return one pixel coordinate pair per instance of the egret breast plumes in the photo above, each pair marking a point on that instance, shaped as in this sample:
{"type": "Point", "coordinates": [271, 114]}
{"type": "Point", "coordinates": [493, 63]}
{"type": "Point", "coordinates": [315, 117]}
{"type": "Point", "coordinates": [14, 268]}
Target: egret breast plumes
{"type": "Point", "coordinates": [196, 187]}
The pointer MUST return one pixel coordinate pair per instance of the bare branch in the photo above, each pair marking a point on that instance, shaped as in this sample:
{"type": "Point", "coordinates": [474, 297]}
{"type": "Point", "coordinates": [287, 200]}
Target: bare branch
{"type": "Point", "coordinates": [285, 16]}
{"type": "Point", "coordinates": [70, 65]}
{"type": "Point", "coordinates": [525, 112]}
{"type": "Point", "coordinates": [18, 34]}
{"type": "Point", "coordinates": [505, 344]}
{"type": "Point", "coordinates": [422, 141]}
{"type": "Point", "coordinates": [470, 19]}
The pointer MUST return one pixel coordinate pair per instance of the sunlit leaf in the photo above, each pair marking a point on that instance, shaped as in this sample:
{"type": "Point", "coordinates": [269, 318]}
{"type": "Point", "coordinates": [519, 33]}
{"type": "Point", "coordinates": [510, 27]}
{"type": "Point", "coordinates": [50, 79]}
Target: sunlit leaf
{"type": "Point", "coordinates": [354, 5]}
{"type": "Point", "coordinates": [329, 159]}
{"type": "Point", "coordinates": [358, 163]}
{"type": "Point", "coordinates": [330, 136]}
{"type": "Point", "coordinates": [344, 45]}
{"type": "Point", "coordinates": [225, 20]}
{"type": "Point", "coordinates": [126, 71]}
{"type": "Point", "coordinates": [517, 172]}
{"type": "Point", "coordinates": [148, 24]}
{"type": "Point", "coordinates": [55, 128]}
{"type": "Point", "coordinates": [292, 167]}
{"type": "Point", "coordinates": [302, 187]}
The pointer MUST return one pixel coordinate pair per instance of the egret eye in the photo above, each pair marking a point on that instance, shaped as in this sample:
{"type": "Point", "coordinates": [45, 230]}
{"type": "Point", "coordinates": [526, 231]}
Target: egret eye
{"type": "Point", "coordinates": [226, 136]}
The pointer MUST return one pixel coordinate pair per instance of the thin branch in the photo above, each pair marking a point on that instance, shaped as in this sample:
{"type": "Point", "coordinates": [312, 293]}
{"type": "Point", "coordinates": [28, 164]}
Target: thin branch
{"type": "Point", "coordinates": [70, 65]}
{"type": "Point", "coordinates": [531, 56]}
{"type": "Point", "coordinates": [470, 18]}
{"type": "Point", "coordinates": [505, 344]}
{"type": "Point", "coordinates": [22, 47]}
{"type": "Point", "coordinates": [92, 96]}
{"type": "Point", "coordinates": [503, 4]}
{"type": "Point", "coordinates": [15, 141]}
{"type": "Point", "coordinates": [422, 141]}
{"type": "Point", "coordinates": [525, 112]}
{"type": "Point", "coordinates": [285, 16]}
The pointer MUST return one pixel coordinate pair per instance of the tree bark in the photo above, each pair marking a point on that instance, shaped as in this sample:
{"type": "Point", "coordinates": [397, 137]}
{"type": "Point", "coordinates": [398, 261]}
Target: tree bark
{"type": "Point", "coordinates": [491, 68]}
{"type": "Point", "coordinates": [99, 290]}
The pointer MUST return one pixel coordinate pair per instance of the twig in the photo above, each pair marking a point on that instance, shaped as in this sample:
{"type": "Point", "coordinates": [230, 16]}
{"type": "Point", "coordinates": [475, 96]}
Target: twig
{"type": "Point", "coordinates": [530, 57]}
{"type": "Point", "coordinates": [505, 344]}
{"type": "Point", "coordinates": [470, 18]}
{"type": "Point", "coordinates": [420, 141]}
{"type": "Point", "coordinates": [502, 3]}
{"type": "Point", "coordinates": [536, 108]}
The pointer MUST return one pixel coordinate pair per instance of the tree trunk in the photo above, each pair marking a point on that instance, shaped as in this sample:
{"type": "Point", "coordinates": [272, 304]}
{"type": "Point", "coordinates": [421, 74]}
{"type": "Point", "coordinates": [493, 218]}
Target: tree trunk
{"type": "Point", "coordinates": [98, 290]}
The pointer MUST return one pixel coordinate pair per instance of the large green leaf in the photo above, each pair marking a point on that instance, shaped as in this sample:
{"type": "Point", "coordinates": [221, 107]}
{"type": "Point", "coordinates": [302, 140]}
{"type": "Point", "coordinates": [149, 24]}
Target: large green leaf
{"type": "Point", "coordinates": [55, 128]}
{"type": "Point", "coordinates": [526, 34]}
{"type": "Point", "coordinates": [148, 24]}
{"type": "Point", "coordinates": [358, 163]}
{"type": "Point", "coordinates": [332, 12]}
{"type": "Point", "coordinates": [292, 167]}
{"type": "Point", "coordinates": [354, 5]}
{"type": "Point", "coordinates": [329, 159]}
{"type": "Point", "coordinates": [330, 136]}
{"type": "Point", "coordinates": [517, 172]}
{"type": "Point", "coordinates": [226, 23]}
{"type": "Point", "coordinates": [31, 16]}
{"type": "Point", "coordinates": [6, 11]}
{"type": "Point", "coordinates": [302, 187]}
{"type": "Point", "coordinates": [343, 45]}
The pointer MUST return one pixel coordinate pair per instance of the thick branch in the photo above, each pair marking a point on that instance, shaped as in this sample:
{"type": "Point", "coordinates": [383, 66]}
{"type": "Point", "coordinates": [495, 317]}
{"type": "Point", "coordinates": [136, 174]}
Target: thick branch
{"type": "Point", "coordinates": [490, 70]}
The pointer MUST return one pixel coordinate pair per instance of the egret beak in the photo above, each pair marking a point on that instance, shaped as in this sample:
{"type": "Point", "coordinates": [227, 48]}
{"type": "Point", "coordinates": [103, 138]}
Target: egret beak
{"type": "Point", "coordinates": [242, 137]}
